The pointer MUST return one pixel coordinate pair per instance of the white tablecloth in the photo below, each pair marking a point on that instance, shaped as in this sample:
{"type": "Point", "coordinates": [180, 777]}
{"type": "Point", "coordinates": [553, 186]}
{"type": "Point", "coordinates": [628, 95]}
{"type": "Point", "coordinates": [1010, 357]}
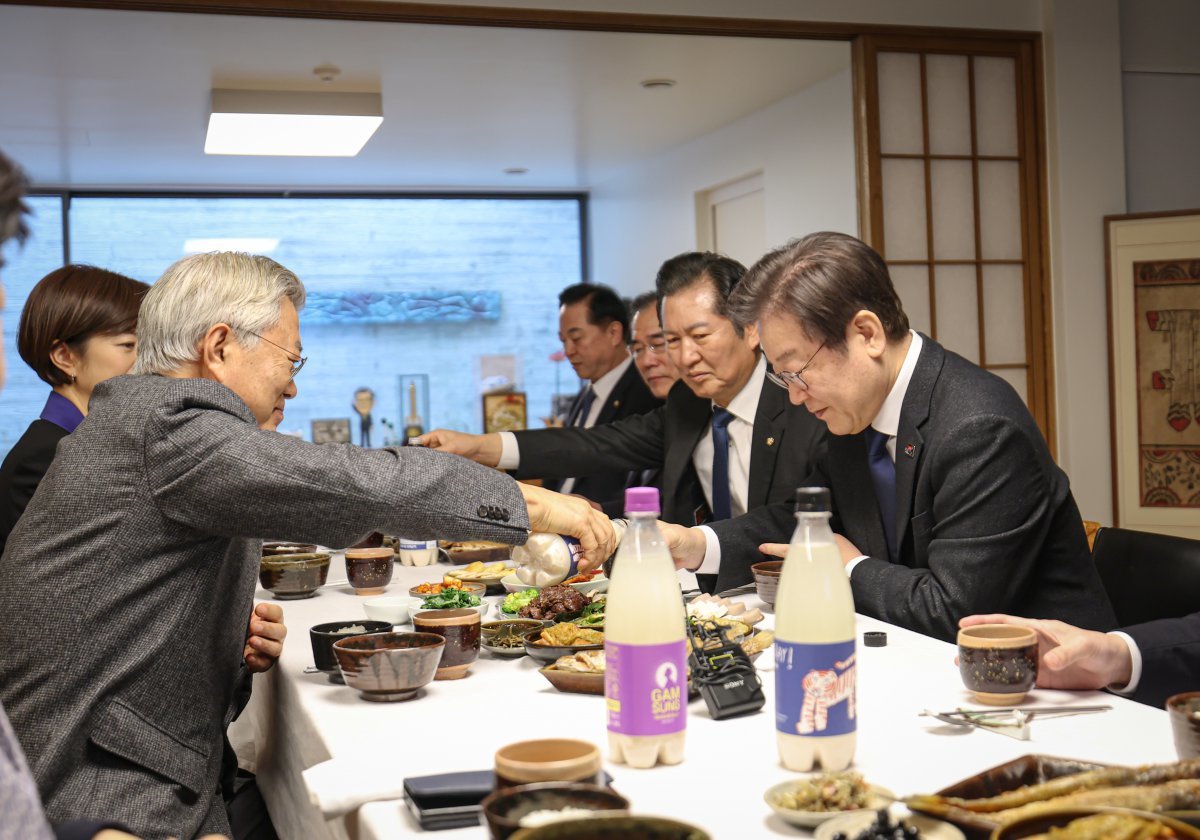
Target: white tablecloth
{"type": "Point", "coordinates": [296, 720]}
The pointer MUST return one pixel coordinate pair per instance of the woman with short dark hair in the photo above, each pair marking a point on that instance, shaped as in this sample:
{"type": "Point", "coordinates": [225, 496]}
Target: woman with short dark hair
{"type": "Point", "coordinates": [77, 329]}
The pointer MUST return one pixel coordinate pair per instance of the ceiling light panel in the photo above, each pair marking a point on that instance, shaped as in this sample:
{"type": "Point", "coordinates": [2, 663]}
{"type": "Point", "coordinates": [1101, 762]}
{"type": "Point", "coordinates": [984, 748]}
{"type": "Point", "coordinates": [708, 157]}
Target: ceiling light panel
{"type": "Point", "coordinates": [291, 123]}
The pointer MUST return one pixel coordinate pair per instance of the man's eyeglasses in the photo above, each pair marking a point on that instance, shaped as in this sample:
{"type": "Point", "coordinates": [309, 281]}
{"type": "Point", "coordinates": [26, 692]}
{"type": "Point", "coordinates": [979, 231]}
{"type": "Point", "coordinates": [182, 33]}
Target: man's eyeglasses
{"type": "Point", "coordinates": [787, 378]}
{"type": "Point", "coordinates": [655, 347]}
{"type": "Point", "coordinates": [297, 363]}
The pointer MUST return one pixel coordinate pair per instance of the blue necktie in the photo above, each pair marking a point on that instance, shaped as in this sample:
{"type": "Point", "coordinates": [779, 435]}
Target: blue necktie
{"type": "Point", "coordinates": [722, 506]}
{"type": "Point", "coordinates": [584, 407]}
{"type": "Point", "coordinates": [883, 476]}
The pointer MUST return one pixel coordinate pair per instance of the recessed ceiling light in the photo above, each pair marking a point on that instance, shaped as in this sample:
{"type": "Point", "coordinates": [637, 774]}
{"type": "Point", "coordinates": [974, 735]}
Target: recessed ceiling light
{"type": "Point", "coordinates": [515, 170]}
{"type": "Point", "coordinates": [291, 123]}
{"type": "Point", "coordinates": [658, 84]}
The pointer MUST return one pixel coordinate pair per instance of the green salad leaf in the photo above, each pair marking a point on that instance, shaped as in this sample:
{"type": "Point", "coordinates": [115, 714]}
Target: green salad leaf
{"type": "Point", "coordinates": [449, 599]}
{"type": "Point", "coordinates": [515, 600]}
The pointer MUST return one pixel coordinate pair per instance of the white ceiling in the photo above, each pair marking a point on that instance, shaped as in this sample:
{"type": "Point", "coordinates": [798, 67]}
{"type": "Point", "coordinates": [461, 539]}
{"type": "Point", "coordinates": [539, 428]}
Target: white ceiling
{"type": "Point", "coordinates": [93, 98]}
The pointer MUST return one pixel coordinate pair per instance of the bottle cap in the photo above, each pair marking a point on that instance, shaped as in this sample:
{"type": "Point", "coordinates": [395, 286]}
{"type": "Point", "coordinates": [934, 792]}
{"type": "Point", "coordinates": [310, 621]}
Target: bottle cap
{"type": "Point", "coordinates": [875, 638]}
{"type": "Point", "coordinates": [641, 500]}
{"type": "Point", "coordinates": [812, 500]}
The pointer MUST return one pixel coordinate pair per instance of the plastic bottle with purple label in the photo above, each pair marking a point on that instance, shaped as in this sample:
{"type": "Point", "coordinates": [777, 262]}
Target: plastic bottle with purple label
{"type": "Point", "coordinates": [815, 672]}
{"type": "Point", "coordinates": [645, 676]}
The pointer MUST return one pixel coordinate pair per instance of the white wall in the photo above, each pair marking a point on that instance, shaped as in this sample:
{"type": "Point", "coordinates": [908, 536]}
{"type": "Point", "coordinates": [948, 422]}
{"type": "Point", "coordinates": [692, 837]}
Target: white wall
{"type": "Point", "coordinates": [804, 147]}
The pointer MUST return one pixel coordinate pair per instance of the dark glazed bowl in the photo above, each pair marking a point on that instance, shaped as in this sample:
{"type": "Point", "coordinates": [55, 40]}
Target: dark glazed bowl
{"type": "Point", "coordinates": [460, 629]}
{"type": "Point", "coordinates": [998, 662]}
{"type": "Point", "coordinates": [766, 579]}
{"type": "Point", "coordinates": [323, 636]}
{"type": "Point", "coordinates": [504, 809]}
{"type": "Point", "coordinates": [389, 666]}
{"type": "Point", "coordinates": [293, 576]}
{"type": "Point", "coordinates": [275, 549]}
{"type": "Point", "coordinates": [369, 570]}
{"type": "Point", "coordinates": [614, 828]}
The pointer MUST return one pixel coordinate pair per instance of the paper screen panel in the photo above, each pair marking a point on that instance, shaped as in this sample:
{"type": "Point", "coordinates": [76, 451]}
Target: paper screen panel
{"type": "Point", "coordinates": [948, 95]}
{"type": "Point", "coordinates": [912, 285]}
{"type": "Point", "coordinates": [1004, 314]}
{"type": "Point", "coordinates": [900, 104]}
{"type": "Point", "coordinates": [995, 106]}
{"type": "Point", "coordinates": [957, 300]}
{"type": "Point", "coordinates": [904, 228]}
{"type": "Point", "coordinates": [1000, 210]}
{"type": "Point", "coordinates": [953, 210]}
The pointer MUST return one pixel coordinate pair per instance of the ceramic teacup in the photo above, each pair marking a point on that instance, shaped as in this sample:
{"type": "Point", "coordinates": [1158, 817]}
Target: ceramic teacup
{"type": "Point", "coordinates": [369, 570]}
{"type": "Point", "coordinates": [1184, 710]}
{"type": "Point", "coordinates": [548, 760]}
{"type": "Point", "coordinates": [998, 662]}
{"type": "Point", "coordinates": [293, 576]}
{"type": "Point", "coordinates": [460, 628]}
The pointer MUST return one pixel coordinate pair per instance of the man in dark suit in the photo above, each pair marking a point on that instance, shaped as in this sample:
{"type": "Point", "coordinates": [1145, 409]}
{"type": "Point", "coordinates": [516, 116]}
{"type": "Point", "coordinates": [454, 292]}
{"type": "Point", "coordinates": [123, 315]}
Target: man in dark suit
{"type": "Point", "coordinates": [945, 496]}
{"type": "Point", "coordinates": [593, 325]}
{"type": "Point", "coordinates": [1147, 662]}
{"type": "Point", "coordinates": [766, 446]}
{"type": "Point", "coordinates": [649, 350]}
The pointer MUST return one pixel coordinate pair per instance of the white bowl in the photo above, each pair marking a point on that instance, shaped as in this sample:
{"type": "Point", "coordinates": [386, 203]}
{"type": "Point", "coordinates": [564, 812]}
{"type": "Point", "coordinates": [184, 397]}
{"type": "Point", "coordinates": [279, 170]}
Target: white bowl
{"type": "Point", "coordinates": [597, 584]}
{"type": "Point", "coordinates": [512, 583]}
{"type": "Point", "coordinates": [392, 608]}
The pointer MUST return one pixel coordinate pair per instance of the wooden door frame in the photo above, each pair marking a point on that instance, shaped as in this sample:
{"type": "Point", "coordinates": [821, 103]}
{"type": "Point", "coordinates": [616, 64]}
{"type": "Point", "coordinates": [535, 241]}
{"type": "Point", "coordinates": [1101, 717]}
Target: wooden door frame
{"type": "Point", "coordinates": [859, 35]}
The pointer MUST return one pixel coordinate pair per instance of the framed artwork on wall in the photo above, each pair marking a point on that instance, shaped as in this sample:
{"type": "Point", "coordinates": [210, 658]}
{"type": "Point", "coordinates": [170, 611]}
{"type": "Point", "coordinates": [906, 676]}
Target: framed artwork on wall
{"type": "Point", "coordinates": [1154, 370]}
{"type": "Point", "coordinates": [504, 412]}
{"type": "Point", "coordinates": [331, 431]}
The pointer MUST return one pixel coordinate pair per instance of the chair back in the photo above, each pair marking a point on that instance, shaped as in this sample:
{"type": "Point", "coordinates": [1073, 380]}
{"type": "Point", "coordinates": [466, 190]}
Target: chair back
{"type": "Point", "coordinates": [1148, 576]}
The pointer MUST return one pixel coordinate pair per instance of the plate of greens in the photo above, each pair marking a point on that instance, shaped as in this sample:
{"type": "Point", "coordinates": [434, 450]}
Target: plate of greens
{"type": "Point", "coordinates": [513, 602]}
{"type": "Point", "coordinates": [452, 599]}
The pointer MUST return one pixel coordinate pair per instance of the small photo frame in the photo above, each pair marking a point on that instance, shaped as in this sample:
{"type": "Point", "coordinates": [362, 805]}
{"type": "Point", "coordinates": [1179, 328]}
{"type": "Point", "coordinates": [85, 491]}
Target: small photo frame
{"type": "Point", "coordinates": [504, 412]}
{"type": "Point", "coordinates": [331, 431]}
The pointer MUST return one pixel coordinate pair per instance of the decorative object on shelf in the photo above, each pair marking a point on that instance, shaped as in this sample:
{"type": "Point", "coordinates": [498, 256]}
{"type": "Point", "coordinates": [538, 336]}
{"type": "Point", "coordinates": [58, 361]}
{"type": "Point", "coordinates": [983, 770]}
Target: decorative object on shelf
{"type": "Point", "coordinates": [364, 401]}
{"type": "Point", "coordinates": [1154, 358]}
{"type": "Point", "coordinates": [419, 307]}
{"type": "Point", "coordinates": [498, 373]}
{"type": "Point", "coordinates": [412, 390]}
{"type": "Point", "coordinates": [503, 412]}
{"type": "Point", "coordinates": [331, 431]}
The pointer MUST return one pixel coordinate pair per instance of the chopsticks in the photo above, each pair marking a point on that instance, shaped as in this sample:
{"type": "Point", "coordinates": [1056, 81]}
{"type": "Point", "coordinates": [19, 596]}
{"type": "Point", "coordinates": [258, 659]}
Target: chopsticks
{"type": "Point", "coordinates": [1012, 722]}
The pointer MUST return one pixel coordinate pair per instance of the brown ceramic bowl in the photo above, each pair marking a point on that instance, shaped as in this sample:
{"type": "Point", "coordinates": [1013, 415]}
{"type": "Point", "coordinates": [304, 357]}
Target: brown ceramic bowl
{"type": "Point", "coordinates": [504, 809]}
{"type": "Point", "coordinates": [614, 828]}
{"type": "Point", "coordinates": [460, 628]}
{"type": "Point", "coordinates": [548, 760]}
{"type": "Point", "coordinates": [389, 666]}
{"type": "Point", "coordinates": [322, 637]}
{"type": "Point", "coordinates": [1184, 710]}
{"type": "Point", "coordinates": [766, 579]}
{"type": "Point", "coordinates": [998, 662]}
{"type": "Point", "coordinates": [292, 576]}
{"type": "Point", "coordinates": [274, 549]}
{"type": "Point", "coordinates": [369, 570]}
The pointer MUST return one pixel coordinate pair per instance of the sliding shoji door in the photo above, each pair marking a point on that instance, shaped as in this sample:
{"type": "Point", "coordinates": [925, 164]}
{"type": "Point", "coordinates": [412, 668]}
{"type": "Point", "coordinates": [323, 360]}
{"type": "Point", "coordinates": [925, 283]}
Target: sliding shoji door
{"type": "Point", "coordinates": [953, 196]}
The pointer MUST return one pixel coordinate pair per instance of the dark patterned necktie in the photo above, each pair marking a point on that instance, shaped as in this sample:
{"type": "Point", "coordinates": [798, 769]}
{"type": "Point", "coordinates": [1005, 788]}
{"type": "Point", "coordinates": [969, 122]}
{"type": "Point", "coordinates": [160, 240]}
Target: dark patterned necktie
{"type": "Point", "coordinates": [722, 504]}
{"type": "Point", "coordinates": [584, 407]}
{"type": "Point", "coordinates": [883, 476]}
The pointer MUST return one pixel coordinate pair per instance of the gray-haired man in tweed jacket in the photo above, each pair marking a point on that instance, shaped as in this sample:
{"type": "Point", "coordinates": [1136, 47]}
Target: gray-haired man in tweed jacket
{"type": "Point", "coordinates": [126, 587]}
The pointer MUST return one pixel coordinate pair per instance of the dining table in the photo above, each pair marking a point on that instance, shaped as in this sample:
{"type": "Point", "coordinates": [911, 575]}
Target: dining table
{"type": "Point", "coordinates": [297, 719]}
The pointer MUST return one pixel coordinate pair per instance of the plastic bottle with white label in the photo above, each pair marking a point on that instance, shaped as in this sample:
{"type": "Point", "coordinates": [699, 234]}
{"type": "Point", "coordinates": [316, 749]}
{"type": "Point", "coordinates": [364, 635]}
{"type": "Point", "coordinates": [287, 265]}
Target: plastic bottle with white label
{"type": "Point", "coordinates": [645, 676]}
{"type": "Point", "coordinates": [815, 671]}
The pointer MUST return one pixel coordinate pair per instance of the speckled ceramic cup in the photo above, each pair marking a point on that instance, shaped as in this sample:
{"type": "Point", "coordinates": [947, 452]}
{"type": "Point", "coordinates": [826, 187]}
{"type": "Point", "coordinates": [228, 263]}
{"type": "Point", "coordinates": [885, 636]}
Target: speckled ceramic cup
{"type": "Point", "coordinates": [460, 628]}
{"type": "Point", "coordinates": [369, 570]}
{"type": "Point", "coordinates": [998, 662]}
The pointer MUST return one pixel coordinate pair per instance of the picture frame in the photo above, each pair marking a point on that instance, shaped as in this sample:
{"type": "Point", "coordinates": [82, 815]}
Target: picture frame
{"type": "Point", "coordinates": [504, 412]}
{"type": "Point", "coordinates": [331, 431]}
{"type": "Point", "coordinates": [1153, 272]}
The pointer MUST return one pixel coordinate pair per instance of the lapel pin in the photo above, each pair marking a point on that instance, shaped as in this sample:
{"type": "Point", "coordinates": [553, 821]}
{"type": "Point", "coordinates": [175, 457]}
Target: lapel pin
{"type": "Point", "coordinates": [910, 449]}
{"type": "Point", "coordinates": [770, 441]}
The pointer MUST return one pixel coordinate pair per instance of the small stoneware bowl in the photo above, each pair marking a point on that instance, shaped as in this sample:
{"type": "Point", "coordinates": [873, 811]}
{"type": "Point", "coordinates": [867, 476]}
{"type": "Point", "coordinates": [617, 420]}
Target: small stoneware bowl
{"type": "Point", "coordinates": [766, 579]}
{"type": "Point", "coordinates": [998, 662]}
{"type": "Point", "coordinates": [369, 570]}
{"type": "Point", "coordinates": [391, 608]}
{"type": "Point", "coordinates": [293, 576]}
{"type": "Point", "coordinates": [614, 828]}
{"type": "Point", "coordinates": [1184, 710]}
{"type": "Point", "coordinates": [323, 636]}
{"type": "Point", "coordinates": [460, 628]}
{"type": "Point", "coordinates": [504, 809]}
{"type": "Point", "coordinates": [389, 666]}
{"type": "Point", "coordinates": [548, 760]}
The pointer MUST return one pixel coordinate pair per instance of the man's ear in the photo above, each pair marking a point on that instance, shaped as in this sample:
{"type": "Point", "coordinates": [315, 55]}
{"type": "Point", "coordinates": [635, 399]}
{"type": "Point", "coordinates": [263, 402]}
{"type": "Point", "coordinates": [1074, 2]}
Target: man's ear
{"type": "Point", "coordinates": [615, 333]}
{"type": "Point", "coordinates": [750, 334]}
{"type": "Point", "coordinates": [866, 326]}
{"type": "Point", "coordinates": [215, 347]}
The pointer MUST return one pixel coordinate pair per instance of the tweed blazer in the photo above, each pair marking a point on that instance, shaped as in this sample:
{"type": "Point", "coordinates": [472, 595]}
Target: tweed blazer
{"type": "Point", "coordinates": [126, 588]}
{"type": "Point", "coordinates": [23, 469]}
{"type": "Point", "coordinates": [604, 484]}
{"type": "Point", "coordinates": [985, 520]}
{"type": "Point", "coordinates": [786, 439]}
{"type": "Point", "coordinates": [1170, 651]}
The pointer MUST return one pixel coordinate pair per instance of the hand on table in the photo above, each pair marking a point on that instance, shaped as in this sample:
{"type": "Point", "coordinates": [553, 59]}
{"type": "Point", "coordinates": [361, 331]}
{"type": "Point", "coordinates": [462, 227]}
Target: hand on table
{"type": "Point", "coordinates": [482, 449]}
{"type": "Point", "coordinates": [847, 549]}
{"type": "Point", "coordinates": [687, 545]}
{"type": "Point", "coordinates": [264, 644]}
{"type": "Point", "coordinates": [554, 513]}
{"type": "Point", "coordinates": [1070, 658]}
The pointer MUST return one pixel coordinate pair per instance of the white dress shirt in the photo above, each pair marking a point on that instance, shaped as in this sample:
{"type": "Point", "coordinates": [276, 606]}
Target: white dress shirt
{"type": "Point", "coordinates": [743, 407]}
